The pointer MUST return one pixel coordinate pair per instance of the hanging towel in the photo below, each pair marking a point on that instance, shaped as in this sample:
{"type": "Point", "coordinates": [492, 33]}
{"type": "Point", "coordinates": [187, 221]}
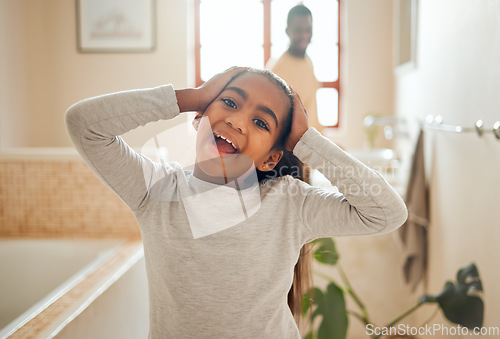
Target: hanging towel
{"type": "Point", "coordinates": [413, 233]}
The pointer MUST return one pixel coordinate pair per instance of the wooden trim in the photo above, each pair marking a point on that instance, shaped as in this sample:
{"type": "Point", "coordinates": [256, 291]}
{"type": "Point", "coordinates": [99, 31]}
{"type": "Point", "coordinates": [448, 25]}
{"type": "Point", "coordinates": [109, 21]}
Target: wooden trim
{"type": "Point", "coordinates": [330, 84]}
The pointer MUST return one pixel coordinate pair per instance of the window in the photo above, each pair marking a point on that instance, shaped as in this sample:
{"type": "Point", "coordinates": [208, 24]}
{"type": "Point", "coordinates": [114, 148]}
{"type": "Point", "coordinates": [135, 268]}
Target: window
{"type": "Point", "coordinates": [229, 33]}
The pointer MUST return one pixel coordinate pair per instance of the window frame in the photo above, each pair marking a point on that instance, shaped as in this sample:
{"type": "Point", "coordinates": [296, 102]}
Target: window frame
{"type": "Point", "coordinates": [267, 49]}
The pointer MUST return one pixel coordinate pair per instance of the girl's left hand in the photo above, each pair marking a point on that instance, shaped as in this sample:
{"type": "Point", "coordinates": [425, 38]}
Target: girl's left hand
{"type": "Point", "coordinates": [299, 122]}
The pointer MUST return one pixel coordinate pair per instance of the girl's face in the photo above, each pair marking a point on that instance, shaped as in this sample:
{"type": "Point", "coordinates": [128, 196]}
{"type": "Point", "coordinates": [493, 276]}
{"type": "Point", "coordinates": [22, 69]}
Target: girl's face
{"type": "Point", "coordinates": [239, 128]}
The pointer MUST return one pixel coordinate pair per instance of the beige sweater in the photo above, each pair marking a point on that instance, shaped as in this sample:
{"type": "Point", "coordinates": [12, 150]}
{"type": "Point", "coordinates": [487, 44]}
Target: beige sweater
{"type": "Point", "coordinates": [228, 281]}
{"type": "Point", "coordinates": [299, 73]}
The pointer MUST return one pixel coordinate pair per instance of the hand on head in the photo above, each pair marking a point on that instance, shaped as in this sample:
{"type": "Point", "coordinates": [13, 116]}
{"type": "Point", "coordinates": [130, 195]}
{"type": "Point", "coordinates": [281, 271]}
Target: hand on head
{"type": "Point", "coordinates": [211, 89]}
{"type": "Point", "coordinates": [299, 122]}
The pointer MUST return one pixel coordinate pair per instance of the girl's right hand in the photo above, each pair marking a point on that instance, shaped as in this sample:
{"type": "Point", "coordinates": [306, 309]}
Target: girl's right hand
{"type": "Point", "coordinates": [198, 99]}
{"type": "Point", "coordinates": [213, 87]}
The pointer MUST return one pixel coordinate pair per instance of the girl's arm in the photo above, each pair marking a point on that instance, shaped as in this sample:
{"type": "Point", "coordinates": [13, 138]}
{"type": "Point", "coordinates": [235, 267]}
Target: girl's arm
{"type": "Point", "coordinates": [94, 126]}
{"type": "Point", "coordinates": [366, 203]}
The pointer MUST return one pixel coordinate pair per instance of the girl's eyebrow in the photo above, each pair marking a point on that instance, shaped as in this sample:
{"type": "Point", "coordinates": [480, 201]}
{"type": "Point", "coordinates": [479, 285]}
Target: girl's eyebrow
{"type": "Point", "coordinates": [238, 90]}
{"type": "Point", "coordinates": [268, 111]}
{"type": "Point", "coordinates": [262, 108]}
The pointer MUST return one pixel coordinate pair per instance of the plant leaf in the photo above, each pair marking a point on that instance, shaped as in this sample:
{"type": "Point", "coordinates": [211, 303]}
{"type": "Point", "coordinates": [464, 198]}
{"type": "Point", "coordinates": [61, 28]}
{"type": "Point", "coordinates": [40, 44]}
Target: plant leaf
{"type": "Point", "coordinates": [306, 302]}
{"type": "Point", "coordinates": [334, 323]}
{"type": "Point", "coordinates": [461, 302]}
{"type": "Point", "coordinates": [326, 253]}
{"type": "Point", "coordinates": [469, 275]}
{"type": "Point", "coordinates": [319, 302]}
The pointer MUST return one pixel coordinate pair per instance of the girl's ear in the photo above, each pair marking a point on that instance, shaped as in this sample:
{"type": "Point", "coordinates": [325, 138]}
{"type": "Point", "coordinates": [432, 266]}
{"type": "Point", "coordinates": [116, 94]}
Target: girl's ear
{"type": "Point", "coordinates": [196, 120]}
{"type": "Point", "coordinates": [271, 162]}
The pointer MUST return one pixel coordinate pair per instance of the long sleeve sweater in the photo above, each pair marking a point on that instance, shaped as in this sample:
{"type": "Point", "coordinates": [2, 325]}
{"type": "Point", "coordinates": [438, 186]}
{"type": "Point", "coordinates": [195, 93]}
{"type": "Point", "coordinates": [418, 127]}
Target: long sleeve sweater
{"type": "Point", "coordinates": [220, 261]}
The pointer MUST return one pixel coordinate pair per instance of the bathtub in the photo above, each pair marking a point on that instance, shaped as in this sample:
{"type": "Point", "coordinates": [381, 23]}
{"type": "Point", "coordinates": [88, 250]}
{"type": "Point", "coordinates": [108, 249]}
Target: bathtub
{"type": "Point", "coordinates": [48, 285]}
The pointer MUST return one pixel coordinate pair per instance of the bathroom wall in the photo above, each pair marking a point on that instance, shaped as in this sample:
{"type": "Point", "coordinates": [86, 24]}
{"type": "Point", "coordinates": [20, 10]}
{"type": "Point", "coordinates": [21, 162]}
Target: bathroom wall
{"type": "Point", "coordinates": [457, 75]}
{"type": "Point", "coordinates": [43, 73]}
{"type": "Point", "coordinates": [14, 112]}
{"type": "Point", "coordinates": [366, 72]}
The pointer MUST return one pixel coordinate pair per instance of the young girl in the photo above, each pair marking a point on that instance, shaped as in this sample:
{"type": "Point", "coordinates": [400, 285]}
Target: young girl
{"type": "Point", "coordinates": [221, 241]}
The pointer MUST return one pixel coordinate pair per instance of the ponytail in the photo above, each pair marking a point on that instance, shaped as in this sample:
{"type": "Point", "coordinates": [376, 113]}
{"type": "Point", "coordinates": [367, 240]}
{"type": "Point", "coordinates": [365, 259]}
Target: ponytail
{"type": "Point", "coordinates": [302, 277]}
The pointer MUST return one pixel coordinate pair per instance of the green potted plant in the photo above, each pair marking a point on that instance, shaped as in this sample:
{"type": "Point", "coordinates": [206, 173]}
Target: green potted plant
{"type": "Point", "coordinates": [460, 301]}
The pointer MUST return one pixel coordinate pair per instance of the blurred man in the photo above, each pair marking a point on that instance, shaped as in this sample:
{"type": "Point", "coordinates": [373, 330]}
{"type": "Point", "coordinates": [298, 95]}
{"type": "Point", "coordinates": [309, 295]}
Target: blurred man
{"type": "Point", "coordinates": [295, 66]}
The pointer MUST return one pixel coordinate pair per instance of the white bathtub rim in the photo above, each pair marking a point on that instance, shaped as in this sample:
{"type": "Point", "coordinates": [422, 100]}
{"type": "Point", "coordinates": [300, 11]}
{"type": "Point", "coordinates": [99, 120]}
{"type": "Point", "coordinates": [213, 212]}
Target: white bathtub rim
{"type": "Point", "coordinates": [124, 268]}
{"type": "Point", "coordinates": [55, 294]}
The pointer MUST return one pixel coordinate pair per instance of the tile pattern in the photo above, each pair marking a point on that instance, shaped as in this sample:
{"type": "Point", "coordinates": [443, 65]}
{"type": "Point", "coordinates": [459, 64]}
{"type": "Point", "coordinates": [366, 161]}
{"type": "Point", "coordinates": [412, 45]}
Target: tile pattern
{"type": "Point", "coordinates": [59, 198]}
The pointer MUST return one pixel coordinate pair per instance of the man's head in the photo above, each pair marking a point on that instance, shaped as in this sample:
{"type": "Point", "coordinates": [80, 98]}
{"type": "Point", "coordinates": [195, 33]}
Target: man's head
{"type": "Point", "coordinates": [299, 29]}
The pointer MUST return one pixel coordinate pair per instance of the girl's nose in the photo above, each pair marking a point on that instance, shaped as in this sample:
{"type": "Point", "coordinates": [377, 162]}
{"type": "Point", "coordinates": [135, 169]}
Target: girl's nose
{"type": "Point", "coordinates": [237, 121]}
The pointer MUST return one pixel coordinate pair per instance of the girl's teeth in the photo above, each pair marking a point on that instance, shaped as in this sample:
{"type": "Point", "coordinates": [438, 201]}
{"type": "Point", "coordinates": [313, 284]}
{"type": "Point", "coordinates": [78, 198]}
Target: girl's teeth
{"type": "Point", "coordinates": [229, 141]}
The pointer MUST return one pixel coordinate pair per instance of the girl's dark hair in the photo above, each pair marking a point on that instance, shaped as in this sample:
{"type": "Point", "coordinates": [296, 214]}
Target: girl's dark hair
{"type": "Point", "coordinates": [289, 164]}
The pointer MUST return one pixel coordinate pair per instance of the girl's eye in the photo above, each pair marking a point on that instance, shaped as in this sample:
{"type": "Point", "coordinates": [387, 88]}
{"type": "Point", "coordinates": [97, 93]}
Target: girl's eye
{"type": "Point", "coordinates": [261, 124]}
{"type": "Point", "coordinates": [229, 103]}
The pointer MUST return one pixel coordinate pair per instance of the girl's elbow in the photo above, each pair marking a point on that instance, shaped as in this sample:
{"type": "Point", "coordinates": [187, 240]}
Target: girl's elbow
{"type": "Point", "coordinates": [71, 120]}
{"type": "Point", "coordinates": [394, 217]}
{"type": "Point", "coordinates": [74, 121]}
{"type": "Point", "coordinates": [72, 114]}
{"type": "Point", "coordinates": [398, 217]}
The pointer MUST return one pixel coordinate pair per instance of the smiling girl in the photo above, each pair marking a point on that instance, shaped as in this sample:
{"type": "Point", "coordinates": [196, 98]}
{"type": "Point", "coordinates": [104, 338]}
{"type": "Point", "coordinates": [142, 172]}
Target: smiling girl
{"type": "Point", "coordinates": [221, 241]}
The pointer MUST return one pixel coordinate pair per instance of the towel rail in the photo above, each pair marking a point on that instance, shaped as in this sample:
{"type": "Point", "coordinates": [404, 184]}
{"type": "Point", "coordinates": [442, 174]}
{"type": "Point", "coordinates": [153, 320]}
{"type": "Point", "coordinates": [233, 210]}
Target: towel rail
{"type": "Point", "coordinates": [397, 126]}
{"type": "Point", "coordinates": [436, 124]}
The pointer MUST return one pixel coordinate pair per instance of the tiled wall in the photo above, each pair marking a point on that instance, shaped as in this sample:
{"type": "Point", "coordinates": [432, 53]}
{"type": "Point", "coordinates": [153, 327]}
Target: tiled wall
{"type": "Point", "coordinates": [59, 198]}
